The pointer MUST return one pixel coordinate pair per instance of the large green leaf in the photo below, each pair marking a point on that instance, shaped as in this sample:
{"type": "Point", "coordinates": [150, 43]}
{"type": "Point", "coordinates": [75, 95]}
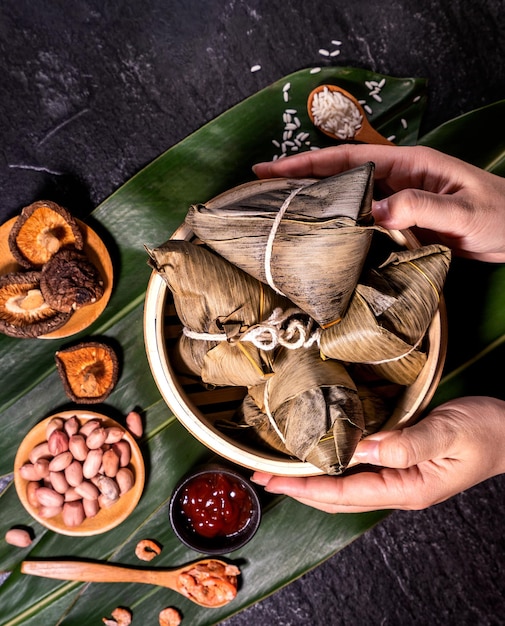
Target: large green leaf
{"type": "Point", "coordinates": [146, 210]}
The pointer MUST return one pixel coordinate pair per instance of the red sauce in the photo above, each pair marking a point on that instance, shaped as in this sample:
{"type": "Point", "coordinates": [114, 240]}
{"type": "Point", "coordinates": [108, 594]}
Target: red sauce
{"type": "Point", "coordinates": [216, 505]}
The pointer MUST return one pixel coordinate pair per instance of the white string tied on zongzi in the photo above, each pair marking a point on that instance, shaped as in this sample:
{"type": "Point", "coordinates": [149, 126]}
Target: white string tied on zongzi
{"type": "Point", "coordinates": [268, 413]}
{"type": "Point", "coordinates": [271, 238]}
{"type": "Point", "coordinates": [291, 329]}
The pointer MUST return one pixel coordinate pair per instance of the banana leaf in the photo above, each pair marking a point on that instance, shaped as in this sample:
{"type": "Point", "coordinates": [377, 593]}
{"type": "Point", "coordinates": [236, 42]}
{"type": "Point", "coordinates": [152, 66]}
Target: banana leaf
{"type": "Point", "coordinates": [145, 211]}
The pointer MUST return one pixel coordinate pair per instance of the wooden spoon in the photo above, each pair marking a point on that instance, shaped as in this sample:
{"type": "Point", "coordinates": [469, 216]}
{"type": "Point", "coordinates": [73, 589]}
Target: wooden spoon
{"type": "Point", "coordinates": [222, 590]}
{"type": "Point", "coordinates": [366, 133]}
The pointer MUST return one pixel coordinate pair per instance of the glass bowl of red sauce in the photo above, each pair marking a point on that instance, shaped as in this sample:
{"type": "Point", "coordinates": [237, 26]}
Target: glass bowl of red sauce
{"type": "Point", "coordinates": [215, 510]}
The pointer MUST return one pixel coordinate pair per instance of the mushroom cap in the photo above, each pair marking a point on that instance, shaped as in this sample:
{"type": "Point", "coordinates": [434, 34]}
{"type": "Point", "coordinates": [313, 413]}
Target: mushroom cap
{"type": "Point", "coordinates": [23, 310]}
{"type": "Point", "coordinates": [40, 230]}
{"type": "Point", "coordinates": [89, 371]}
{"type": "Point", "coordinates": [69, 281]}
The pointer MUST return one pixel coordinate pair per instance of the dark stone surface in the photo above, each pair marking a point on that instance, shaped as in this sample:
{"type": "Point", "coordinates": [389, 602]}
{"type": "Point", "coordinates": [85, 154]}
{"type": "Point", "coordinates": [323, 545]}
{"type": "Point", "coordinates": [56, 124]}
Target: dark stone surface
{"type": "Point", "coordinates": [92, 91]}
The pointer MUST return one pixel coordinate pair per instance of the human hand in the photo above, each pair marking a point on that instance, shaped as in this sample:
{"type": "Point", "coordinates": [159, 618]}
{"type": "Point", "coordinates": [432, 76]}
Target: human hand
{"type": "Point", "coordinates": [456, 446]}
{"type": "Point", "coordinates": [452, 202]}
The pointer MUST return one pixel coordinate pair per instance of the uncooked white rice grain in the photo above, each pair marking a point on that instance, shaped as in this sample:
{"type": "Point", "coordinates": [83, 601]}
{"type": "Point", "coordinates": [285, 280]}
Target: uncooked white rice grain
{"type": "Point", "coordinates": [324, 53]}
{"type": "Point", "coordinates": [368, 109]}
{"type": "Point", "coordinates": [404, 122]}
{"type": "Point", "coordinates": [315, 70]}
{"type": "Point", "coordinates": [291, 111]}
{"type": "Point", "coordinates": [391, 137]}
{"type": "Point", "coordinates": [255, 68]}
{"type": "Point", "coordinates": [334, 53]}
{"type": "Point", "coordinates": [336, 42]}
{"type": "Point", "coordinates": [416, 99]}
{"type": "Point", "coordinates": [336, 114]}
{"type": "Point", "coordinates": [286, 87]}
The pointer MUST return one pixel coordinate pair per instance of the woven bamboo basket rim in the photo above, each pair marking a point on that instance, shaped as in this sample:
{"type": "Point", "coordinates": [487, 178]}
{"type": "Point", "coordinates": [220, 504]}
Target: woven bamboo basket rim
{"type": "Point", "coordinates": [186, 405]}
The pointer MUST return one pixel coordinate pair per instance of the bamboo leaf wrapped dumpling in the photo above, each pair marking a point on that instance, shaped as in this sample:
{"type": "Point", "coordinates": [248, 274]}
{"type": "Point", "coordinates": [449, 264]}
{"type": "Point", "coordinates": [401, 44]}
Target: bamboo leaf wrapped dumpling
{"type": "Point", "coordinates": [214, 301]}
{"type": "Point", "coordinates": [306, 241]}
{"type": "Point", "coordinates": [312, 409]}
{"type": "Point", "coordinates": [390, 313]}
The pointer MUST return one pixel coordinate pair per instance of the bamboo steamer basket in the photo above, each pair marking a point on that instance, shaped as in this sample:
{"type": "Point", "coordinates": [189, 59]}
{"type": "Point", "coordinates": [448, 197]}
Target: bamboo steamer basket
{"type": "Point", "coordinates": [200, 409]}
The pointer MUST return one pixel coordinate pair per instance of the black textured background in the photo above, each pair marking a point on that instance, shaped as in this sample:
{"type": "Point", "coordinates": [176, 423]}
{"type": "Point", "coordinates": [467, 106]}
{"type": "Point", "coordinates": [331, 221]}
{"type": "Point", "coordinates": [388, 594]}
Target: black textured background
{"type": "Point", "coordinates": [91, 91]}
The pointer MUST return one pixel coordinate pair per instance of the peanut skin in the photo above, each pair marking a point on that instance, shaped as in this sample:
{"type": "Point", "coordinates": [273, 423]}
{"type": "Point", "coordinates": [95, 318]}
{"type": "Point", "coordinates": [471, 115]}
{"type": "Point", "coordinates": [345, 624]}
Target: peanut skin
{"type": "Point", "coordinates": [18, 537]}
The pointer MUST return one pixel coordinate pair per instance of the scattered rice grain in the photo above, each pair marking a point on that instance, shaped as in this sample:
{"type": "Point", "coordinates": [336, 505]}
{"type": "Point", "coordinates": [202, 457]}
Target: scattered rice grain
{"type": "Point", "coordinates": [324, 53]}
{"type": "Point", "coordinates": [255, 68]}
{"type": "Point", "coordinates": [404, 122]}
{"type": "Point", "coordinates": [315, 70]}
{"type": "Point", "coordinates": [334, 53]}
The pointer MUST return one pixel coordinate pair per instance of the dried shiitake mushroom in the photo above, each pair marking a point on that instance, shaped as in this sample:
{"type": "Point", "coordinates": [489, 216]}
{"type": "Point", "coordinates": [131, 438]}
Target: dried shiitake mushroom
{"type": "Point", "coordinates": [41, 229]}
{"type": "Point", "coordinates": [69, 281]}
{"type": "Point", "coordinates": [23, 310]}
{"type": "Point", "coordinates": [89, 371]}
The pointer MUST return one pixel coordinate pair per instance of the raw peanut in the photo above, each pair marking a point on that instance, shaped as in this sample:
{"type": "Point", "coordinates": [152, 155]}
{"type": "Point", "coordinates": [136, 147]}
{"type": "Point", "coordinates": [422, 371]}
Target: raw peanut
{"type": "Point", "coordinates": [108, 487]}
{"type": "Point", "coordinates": [42, 467]}
{"type": "Point", "coordinates": [134, 423]}
{"type": "Point", "coordinates": [170, 617]}
{"type": "Point", "coordinates": [74, 473]}
{"type": "Point", "coordinates": [18, 537]}
{"type": "Point", "coordinates": [58, 442]}
{"type": "Point", "coordinates": [57, 423]}
{"type": "Point", "coordinates": [147, 549]}
{"type": "Point", "coordinates": [49, 511]}
{"type": "Point", "coordinates": [49, 497]}
{"type": "Point", "coordinates": [92, 463]}
{"type": "Point", "coordinates": [105, 502]}
{"type": "Point", "coordinates": [28, 471]}
{"type": "Point", "coordinates": [31, 496]}
{"type": "Point", "coordinates": [110, 463]}
{"type": "Point", "coordinates": [39, 452]}
{"type": "Point", "coordinates": [58, 482]}
{"type": "Point", "coordinates": [91, 507]}
{"type": "Point", "coordinates": [61, 461]}
{"type": "Point", "coordinates": [72, 425]}
{"type": "Point", "coordinates": [73, 514]}
{"type": "Point", "coordinates": [87, 490]}
{"type": "Point", "coordinates": [124, 479]}
{"type": "Point", "coordinates": [114, 434]}
{"type": "Point", "coordinates": [71, 495]}
{"type": "Point", "coordinates": [96, 438]}
{"type": "Point", "coordinates": [77, 446]}
{"type": "Point", "coordinates": [88, 427]}
{"type": "Point", "coordinates": [123, 450]}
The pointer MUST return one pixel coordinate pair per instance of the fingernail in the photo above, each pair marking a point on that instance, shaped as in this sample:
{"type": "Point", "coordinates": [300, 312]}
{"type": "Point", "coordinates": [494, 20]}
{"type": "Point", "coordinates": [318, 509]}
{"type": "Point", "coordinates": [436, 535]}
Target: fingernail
{"type": "Point", "coordinates": [367, 451]}
{"type": "Point", "coordinates": [380, 209]}
{"type": "Point", "coordinates": [260, 479]}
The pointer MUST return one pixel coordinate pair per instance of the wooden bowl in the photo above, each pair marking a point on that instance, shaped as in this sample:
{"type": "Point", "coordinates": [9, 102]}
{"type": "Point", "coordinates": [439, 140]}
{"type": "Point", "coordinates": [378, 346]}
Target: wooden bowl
{"type": "Point", "coordinates": [97, 253]}
{"type": "Point", "coordinates": [106, 518]}
{"type": "Point", "coordinates": [199, 409]}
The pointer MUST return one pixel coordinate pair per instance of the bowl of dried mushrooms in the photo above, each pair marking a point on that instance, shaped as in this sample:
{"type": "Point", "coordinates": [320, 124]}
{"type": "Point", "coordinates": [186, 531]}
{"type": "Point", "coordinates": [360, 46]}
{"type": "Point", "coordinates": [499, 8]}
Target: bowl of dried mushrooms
{"type": "Point", "coordinates": [282, 325]}
{"type": "Point", "coordinates": [55, 273]}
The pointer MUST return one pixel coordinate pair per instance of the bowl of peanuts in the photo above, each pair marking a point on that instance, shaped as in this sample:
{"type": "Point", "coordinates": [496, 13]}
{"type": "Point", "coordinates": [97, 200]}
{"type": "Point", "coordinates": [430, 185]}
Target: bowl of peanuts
{"type": "Point", "coordinates": [79, 473]}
